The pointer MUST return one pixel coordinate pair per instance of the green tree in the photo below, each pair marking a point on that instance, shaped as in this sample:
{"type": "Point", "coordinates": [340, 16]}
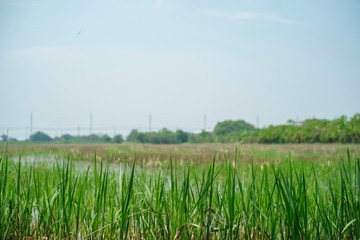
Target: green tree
{"type": "Point", "coordinates": [203, 137]}
{"type": "Point", "coordinates": [181, 136]}
{"type": "Point", "coordinates": [164, 136]}
{"type": "Point", "coordinates": [40, 137]}
{"type": "Point", "coordinates": [118, 138]}
{"type": "Point", "coordinates": [230, 126]}
{"type": "Point", "coordinates": [136, 136]}
{"type": "Point", "coordinates": [66, 138]}
{"type": "Point", "coordinates": [354, 128]}
{"type": "Point", "coordinates": [4, 138]}
{"type": "Point", "coordinates": [315, 130]}
{"type": "Point", "coordinates": [105, 138]}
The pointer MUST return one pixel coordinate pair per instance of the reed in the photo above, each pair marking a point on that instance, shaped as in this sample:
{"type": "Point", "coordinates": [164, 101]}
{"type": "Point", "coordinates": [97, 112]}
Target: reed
{"type": "Point", "coordinates": [290, 199]}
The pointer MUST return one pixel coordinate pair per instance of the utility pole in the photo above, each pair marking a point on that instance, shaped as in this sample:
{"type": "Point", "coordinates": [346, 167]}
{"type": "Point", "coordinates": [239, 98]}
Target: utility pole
{"type": "Point", "coordinates": [257, 121]}
{"type": "Point", "coordinates": [31, 124]}
{"type": "Point", "coordinates": [91, 123]}
{"type": "Point", "coordinates": [150, 122]}
{"type": "Point", "coordinates": [205, 122]}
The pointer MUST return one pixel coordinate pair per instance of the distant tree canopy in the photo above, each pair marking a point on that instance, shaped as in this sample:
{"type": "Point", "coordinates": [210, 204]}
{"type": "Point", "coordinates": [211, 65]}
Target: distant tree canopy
{"type": "Point", "coordinates": [136, 136]}
{"type": "Point", "coordinates": [40, 137]}
{"type": "Point", "coordinates": [118, 138]}
{"type": "Point", "coordinates": [339, 130]}
{"type": "Point", "coordinates": [181, 136]}
{"type": "Point", "coordinates": [314, 130]}
{"type": "Point", "coordinates": [232, 126]}
{"type": "Point", "coordinates": [6, 138]}
{"type": "Point", "coordinates": [92, 138]}
{"type": "Point", "coordinates": [164, 136]}
{"type": "Point", "coordinates": [202, 137]}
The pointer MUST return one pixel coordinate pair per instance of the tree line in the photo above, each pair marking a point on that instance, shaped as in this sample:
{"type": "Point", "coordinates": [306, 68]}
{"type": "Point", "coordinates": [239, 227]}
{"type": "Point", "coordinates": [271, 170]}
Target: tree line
{"type": "Point", "coordinates": [339, 130]}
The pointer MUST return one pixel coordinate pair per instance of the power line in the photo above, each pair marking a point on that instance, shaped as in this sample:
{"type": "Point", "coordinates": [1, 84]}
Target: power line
{"type": "Point", "coordinates": [110, 129]}
{"type": "Point", "coordinates": [31, 124]}
{"type": "Point", "coordinates": [205, 122]}
{"type": "Point", "coordinates": [91, 119]}
{"type": "Point", "coordinates": [150, 122]}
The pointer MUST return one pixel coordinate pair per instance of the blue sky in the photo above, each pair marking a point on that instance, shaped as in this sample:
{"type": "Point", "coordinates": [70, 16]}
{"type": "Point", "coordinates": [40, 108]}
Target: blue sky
{"type": "Point", "coordinates": [178, 60]}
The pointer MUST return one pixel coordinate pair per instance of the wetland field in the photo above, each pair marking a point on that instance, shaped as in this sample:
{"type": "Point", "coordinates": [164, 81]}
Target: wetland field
{"type": "Point", "coordinates": [187, 191]}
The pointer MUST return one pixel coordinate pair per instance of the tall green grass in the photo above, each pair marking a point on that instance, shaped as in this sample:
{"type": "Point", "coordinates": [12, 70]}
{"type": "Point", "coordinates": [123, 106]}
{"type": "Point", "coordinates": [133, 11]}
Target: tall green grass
{"type": "Point", "coordinates": [289, 200]}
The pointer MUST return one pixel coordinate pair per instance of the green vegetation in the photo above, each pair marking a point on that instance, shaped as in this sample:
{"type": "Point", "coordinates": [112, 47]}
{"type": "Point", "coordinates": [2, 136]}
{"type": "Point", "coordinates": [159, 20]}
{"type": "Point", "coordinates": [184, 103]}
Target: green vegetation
{"type": "Point", "coordinates": [6, 138]}
{"type": "Point", "coordinates": [67, 138]}
{"type": "Point", "coordinates": [227, 127]}
{"type": "Point", "coordinates": [314, 130]}
{"type": "Point", "coordinates": [340, 130]}
{"type": "Point", "coordinates": [40, 137]}
{"type": "Point", "coordinates": [118, 138]}
{"type": "Point", "coordinates": [283, 198]}
{"type": "Point", "coordinates": [164, 136]}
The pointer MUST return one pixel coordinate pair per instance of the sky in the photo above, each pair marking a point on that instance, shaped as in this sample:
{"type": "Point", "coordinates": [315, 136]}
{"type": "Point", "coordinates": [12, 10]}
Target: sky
{"type": "Point", "coordinates": [263, 61]}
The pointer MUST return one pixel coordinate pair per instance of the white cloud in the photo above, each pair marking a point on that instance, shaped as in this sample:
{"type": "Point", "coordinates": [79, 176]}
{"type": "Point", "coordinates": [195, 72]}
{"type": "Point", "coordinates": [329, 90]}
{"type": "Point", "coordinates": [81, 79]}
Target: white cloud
{"type": "Point", "coordinates": [249, 16]}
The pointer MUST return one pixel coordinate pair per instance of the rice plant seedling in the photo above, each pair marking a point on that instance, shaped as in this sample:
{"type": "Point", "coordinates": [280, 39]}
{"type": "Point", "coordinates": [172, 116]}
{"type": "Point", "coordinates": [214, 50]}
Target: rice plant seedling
{"type": "Point", "coordinates": [227, 199]}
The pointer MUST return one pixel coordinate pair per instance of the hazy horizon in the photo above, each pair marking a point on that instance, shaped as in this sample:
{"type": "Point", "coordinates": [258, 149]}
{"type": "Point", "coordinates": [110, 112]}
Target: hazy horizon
{"type": "Point", "coordinates": [178, 60]}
